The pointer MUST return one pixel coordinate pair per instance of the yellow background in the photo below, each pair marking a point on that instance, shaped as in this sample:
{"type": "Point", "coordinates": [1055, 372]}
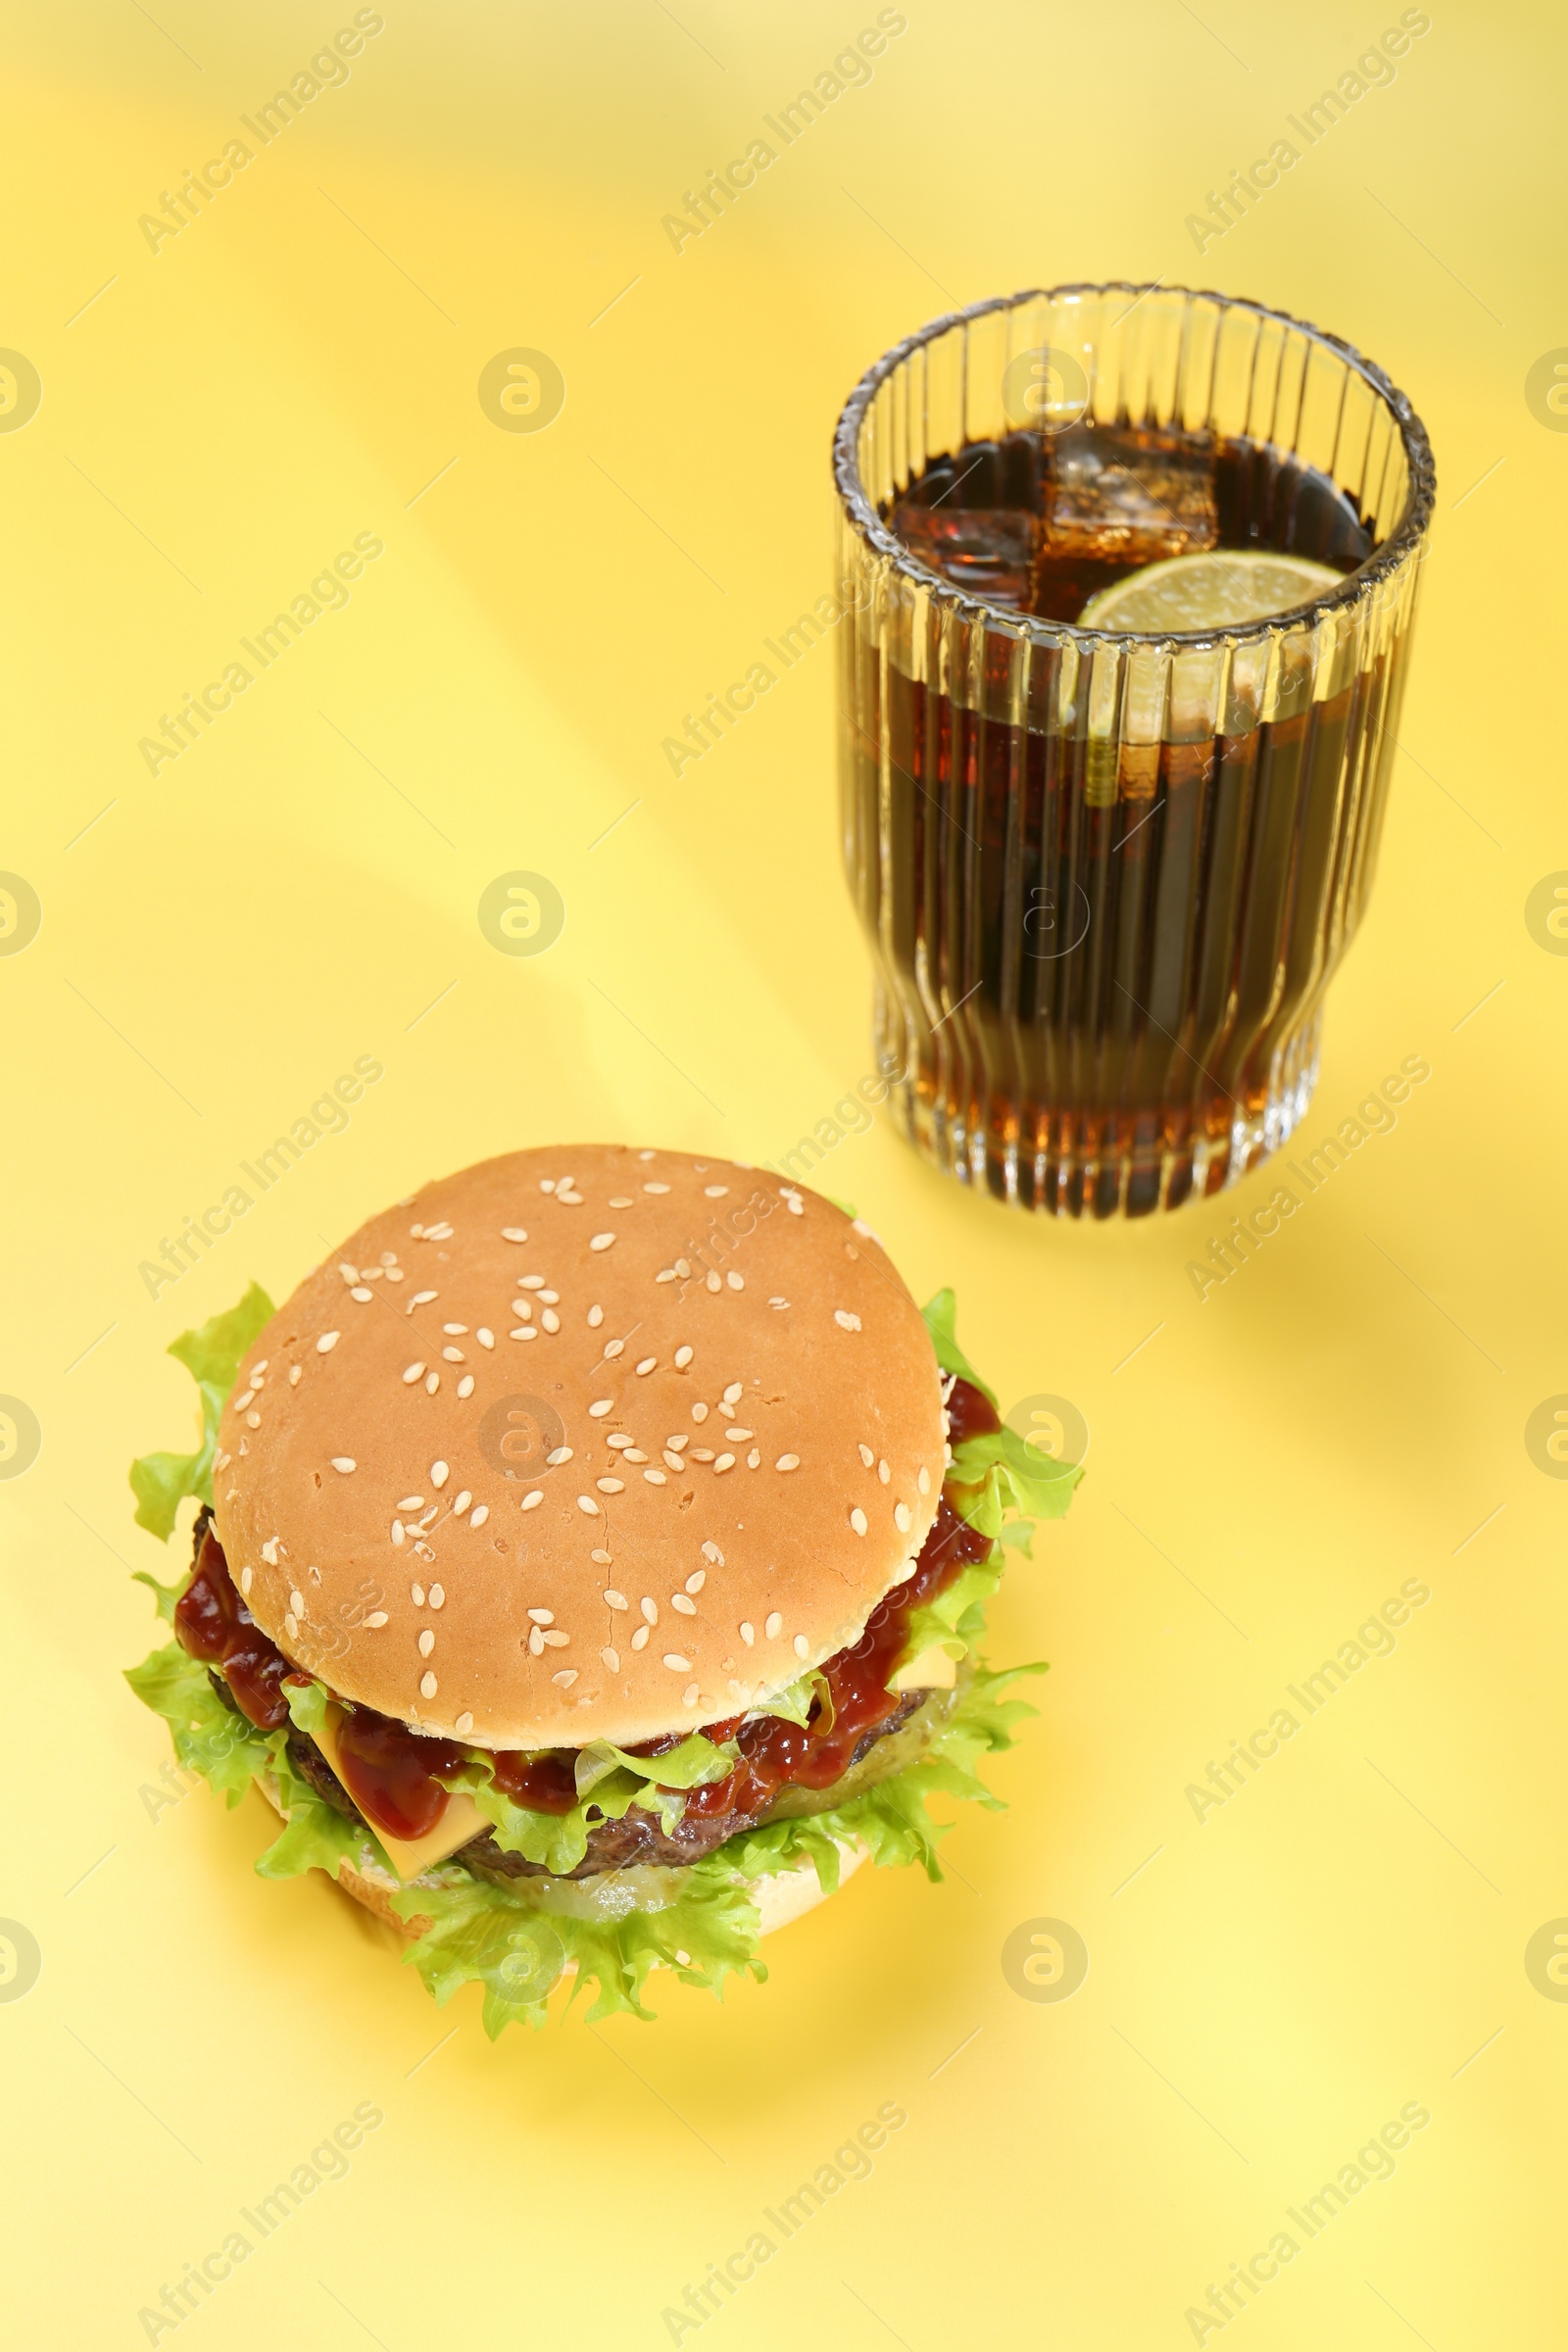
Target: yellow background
{"type": "Point", "coordinates": [300, 888]}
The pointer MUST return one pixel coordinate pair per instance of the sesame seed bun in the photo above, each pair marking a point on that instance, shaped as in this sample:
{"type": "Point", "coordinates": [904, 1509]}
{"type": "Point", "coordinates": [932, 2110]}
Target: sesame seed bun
{"type": "Point", "coordinates": [582, 1444]}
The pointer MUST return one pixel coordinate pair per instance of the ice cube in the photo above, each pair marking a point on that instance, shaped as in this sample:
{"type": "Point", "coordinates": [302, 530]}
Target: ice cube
{"type": "Point", "coordinates": [986, 551]}
{"type": "Point", "coordinates": [1128, 495]}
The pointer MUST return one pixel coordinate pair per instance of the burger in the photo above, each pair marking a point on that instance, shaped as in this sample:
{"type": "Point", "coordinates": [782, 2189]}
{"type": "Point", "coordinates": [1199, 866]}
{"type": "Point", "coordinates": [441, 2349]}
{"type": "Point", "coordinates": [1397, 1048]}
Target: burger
{"type": "Point", "coordinates": [587, 1568]}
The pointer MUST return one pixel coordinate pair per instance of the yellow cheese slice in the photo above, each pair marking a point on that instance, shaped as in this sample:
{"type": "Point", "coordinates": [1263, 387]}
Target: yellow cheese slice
{"type": "Point", "coordinates": [462, 1820]}
{"type": "Point", "coordinates": [932, 1670]}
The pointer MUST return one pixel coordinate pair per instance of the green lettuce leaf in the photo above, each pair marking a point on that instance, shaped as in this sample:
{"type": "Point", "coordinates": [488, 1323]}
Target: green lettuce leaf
{"type": "Point", "coordinates": [939, 1321]}
{"type": "Point", "coordinates": [518, 1943]}
{"type": "Point", "coordinates": [508, 1942]}
{"type": "Point", "coordinates": [316, 1836]}
{"type": "Point", "coordinates": [796, 1700]}
{"type": "Point", "coordinates": [307, 1703]}
{"type": "Point", "coordinates": [211, 1739]}
{"type": "Point", "coordinates": [212, 1356]}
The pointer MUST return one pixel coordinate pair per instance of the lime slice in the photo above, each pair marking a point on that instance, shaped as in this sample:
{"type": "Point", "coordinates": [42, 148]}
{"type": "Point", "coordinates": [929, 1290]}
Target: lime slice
{"type": "Point", "coordinates": [1213, 591]}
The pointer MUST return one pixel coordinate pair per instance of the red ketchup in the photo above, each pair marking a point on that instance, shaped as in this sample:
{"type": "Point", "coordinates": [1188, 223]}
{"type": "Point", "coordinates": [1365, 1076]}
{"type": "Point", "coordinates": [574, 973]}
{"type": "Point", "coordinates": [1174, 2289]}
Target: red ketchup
{"type": "Point", "coordinates": [390, 1771]}
{"type": "Point", "coordinates": [213, 1623]}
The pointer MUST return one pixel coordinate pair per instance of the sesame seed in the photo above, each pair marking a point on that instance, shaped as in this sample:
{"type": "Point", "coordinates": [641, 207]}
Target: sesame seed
{"type": "Point", "coordinates": [616, 1601]}
{"type": "Point", "coordinates": [464, 1723]}
{"type": "Point", "coordinates": [802, 1645]}
{"type": "Point", "coordinates": [536, 1643]}
{"type": "Point", "coordinates": [748, 1633]}
{"type": "Point", "coordinates": [327, 1342]}
{"type": "Point", "coordinates": [532, 1499]}
{"type": "Point", "coordinates": [344, 1462]}
{"type": "Point", "coordinates": [665, 1274]}
{"type": "Point", "coordinates": [753, 1458]}
{"type": "Point", "coordinates": [362, 1295]}
{"type": "Point", "coordinates": [866, 1456]}
{"type": "Point", "coordinates": [455, 1330]}
{"type": "Point", "coordinates": [621, 1201]}
{"type": "Point", "coordinates": [687, 1608]}
{"type": "Point", "coordinates": [857, 1520]}
{"type": "Point", "coordinates": [253, 1419]}
{"type": "Point", "coordinates": [788, 1461]}
{"type": "Point", "coordinates": [550, 1297]}
{"type": "Point", "coordinates": [796, 1206]}
{"type": "Point", "coordinates": [902, 1516]}
{"type": "Point", "coordinates": [714, 1191]}
{"type": "Point", "coordinates": [696, 1582]}
{"type": "Point", "coordinates": [713, 1283]}
{"type": "Point", "coordinates": [348, 1272]}
{"type": "Point", "coordinates": [432, 1383]}
{"type": "Point", "coordinates": [689, 1697]}
{"type": "Point", "coordinates": [683, 1357]}
{"type": "Point", "coordinates": [293, 1376]}
{"type": "Point", "coordinates": [485, 1336]}
{"type": "Point", "coordinates": [672, 1460]}
{"type": "Point", "coordinates": [514, 1233]}
{"type": "Point", "coordinates": [675, 1444]}
{"type": "Point", "coordinates": [454, 1355]}
{"type": "Point", "coordinates": [739, 1435]}
{"type": "Point", "coordinates": [883, 1472]}
{"type": "Point", "coordinates": [269, 1552]}
{"type": "Point", "coordinates": [562, 1453]}
{"type": "Point", "coordinates": [426, 1642]}
{"type": "Point", "coordinates": [549, 1319]}
{"type": "Point", "coordinates": [655, 1188]}
{"type": "Point", "coordinates": [725, 1461]}
{"type": "Point", "coordinates": [565, 1678]}
{"type": "Point", "coordinates": [655, 1478]}
{"type": "Point", "coordinates": [601, 1407]}
{"type": "Point", "coordinates": [620, 1443]}
{"type": "Point", "coordinates": [556, 1640]}
{"type": "Point", "coordinates": [377, 1619]}
{"type": "Point", "coordinates": [547, 1184]}
{"type": "Point", "coordinates": [596, 1315]}
{"type": "Point", "coordinates": [602, 1240]}
{"type": "Point", "coordinates": [480, 1515]}
{"type": "Point", "coordinates": [530, 1282]}
{"type": "Point", "coordinates": [845, 1320]}
{"type": "Point", "coordinates": [639, 1640]}
{"type": "Point", "coordinates": [245, 1577]}
{"type": "Point", "coordinates": [702, 1454]}
{"type": "Point", "coordinates": [601, 1558]}
{"type": "Point", "coordinates": [774, 1626]}
{"type": "Point", "coordinates": [650, 1609]}
{"type": "Point", "coordinates": [291, 1625]}
{"type": "Point", "coordinates": [417, 1595]}
{"type": "Point", "coordinates": [698, 1411]}
{"type": "Point", "coordinates": [542, 1616]}
{"type": "Point", "coordinates": [586, 1502]}
{"type": "Point", "coordinates": [613, 1348]}
{"type": "Point", "coordinates": [612, 1659]}
{"type": "Point", "coordinates": [421, 1298]}
{"type": "Point", "coordinates": [778, 1302]}
{"type": "Point", "coordinates": [923, 1482]}
{"type": "Point", "coordinates": [524, 1331]}
{"type": "Point", "coordinates": [439, 1474]}
{"type": "Point", "coordinates": [737, 1282]}
{"type": "Point", "coordinates": [461, 1502]}
{"type": "Point", "coordinates": [676, 1663]}
{"type": "Point", "coordinates": [728, 1412]}
{"type": "Point", "coordinates": [647, 1365]}
{"type": "Point", "coordinates": [466, 1384]}
{"type": "Point", "coordinates": [427, 1686]}
{"type": "Point", "coordinates": [436, 1233]}
{"type": "Point", "coordinates": [611, 1486]}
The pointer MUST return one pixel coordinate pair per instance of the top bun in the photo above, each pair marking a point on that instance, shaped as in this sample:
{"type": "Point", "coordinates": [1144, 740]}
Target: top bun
{"type": "Point", "coordinates": [582, 1444]}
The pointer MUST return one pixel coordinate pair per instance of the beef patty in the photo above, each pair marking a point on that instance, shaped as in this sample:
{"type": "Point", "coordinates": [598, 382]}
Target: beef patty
{"type": "Point", "coordinates": [638, 1837]}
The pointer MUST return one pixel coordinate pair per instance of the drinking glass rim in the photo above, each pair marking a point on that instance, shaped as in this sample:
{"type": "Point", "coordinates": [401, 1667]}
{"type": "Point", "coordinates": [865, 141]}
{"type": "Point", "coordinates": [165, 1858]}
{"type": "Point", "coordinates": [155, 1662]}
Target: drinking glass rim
{"type": "Point", "coordinates": [1384, 559]}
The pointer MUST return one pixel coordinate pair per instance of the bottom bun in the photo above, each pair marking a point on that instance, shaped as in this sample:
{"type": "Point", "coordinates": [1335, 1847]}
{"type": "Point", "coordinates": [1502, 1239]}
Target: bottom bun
{"type": "Point", "coordinates": [783, 1896]}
